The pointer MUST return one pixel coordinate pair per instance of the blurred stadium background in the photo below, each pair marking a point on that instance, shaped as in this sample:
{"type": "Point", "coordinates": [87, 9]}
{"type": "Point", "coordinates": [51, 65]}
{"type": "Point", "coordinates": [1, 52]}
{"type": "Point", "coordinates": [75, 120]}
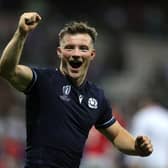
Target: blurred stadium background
{"type": "Point", "coordinates": [131, 57]}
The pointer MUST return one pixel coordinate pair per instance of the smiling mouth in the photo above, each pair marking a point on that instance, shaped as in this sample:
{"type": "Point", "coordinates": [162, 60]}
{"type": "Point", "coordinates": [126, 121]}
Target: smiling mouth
{"type": "Point", "coordinates": [75, 63]}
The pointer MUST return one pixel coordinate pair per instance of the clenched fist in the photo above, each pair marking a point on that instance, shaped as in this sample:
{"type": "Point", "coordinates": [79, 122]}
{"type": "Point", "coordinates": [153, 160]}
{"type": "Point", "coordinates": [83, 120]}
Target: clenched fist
{"type": "Point", "coordinates": [28, 22]}
{"type": "Point", "coordinates": [143, 146]}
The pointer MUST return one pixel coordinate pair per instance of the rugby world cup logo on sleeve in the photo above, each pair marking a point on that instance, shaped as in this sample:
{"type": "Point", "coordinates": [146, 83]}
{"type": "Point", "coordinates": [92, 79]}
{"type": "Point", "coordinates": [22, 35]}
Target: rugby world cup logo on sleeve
{"type": "Point", "coordinates": [66, 89]}
{"type": "Point", "coordinates": [92, 103]}
{"type": "Point", "coordinates": [65, 92]}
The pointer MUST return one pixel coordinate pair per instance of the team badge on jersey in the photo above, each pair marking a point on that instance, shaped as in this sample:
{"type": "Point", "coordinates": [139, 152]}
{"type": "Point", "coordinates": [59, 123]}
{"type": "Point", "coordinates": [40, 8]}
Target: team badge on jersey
{"type": "Point", "coordinates": [65, 92]}
{"type": "Point", "coordinates": [92, 103]}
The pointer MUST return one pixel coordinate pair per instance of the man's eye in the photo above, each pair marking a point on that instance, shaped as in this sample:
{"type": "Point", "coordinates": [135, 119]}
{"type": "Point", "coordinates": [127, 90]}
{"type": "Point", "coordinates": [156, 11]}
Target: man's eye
{"type": "Point", "coordinates": [69, 48]}
{"type": "Point", "coordinates": [84, 48]}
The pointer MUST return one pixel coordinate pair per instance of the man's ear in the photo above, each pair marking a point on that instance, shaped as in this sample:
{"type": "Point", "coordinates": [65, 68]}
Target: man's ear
{"type": "Point", "coordinates": [59, 52]}
{"type": "Point", "coordinates": [93, 54]}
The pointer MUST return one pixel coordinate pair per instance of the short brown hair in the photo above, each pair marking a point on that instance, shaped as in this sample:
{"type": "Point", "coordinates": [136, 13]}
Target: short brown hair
{"type": "Point", "coordinates": [78, 27]}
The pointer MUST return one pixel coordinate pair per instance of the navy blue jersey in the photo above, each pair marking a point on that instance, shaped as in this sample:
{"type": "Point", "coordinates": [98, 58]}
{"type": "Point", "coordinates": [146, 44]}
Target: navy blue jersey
{"type": "Point", "coordinates": [59, 116]}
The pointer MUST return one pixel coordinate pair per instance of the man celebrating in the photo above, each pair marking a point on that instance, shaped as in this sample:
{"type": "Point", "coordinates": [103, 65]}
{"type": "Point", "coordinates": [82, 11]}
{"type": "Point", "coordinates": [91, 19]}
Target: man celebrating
{"type": "Point", "coordinates": [61, 105]}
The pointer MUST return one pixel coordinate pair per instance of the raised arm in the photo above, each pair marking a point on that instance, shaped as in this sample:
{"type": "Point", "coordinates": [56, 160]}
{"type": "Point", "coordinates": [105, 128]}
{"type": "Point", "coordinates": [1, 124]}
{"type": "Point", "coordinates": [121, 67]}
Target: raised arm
{"type": "Point", "coordinates": [19, 76]}
{"type": "Point", "coordinates": [126, 143]}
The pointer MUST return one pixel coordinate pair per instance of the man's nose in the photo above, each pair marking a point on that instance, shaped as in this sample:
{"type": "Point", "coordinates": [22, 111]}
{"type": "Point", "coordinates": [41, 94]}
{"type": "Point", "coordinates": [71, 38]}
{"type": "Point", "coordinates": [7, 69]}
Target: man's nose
{"type": "Point", "coordinates": [76, 52]}
{"type": "Point", "coordinates": [75, 57]}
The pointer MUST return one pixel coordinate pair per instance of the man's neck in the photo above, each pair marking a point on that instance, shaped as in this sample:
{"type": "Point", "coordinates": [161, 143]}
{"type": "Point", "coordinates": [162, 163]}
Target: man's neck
{"type": "Point", "coordinates": [76, 81]}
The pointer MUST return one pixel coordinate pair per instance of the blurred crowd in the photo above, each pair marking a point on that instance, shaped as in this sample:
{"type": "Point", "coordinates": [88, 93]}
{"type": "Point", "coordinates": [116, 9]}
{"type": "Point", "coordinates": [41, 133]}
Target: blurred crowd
{"type": "Point", "coordinates": [131, 65]}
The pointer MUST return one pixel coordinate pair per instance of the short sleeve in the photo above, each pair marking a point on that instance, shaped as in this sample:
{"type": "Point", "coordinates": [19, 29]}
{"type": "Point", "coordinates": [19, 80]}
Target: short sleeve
{"type": "Point", "coordinates": [32, 83]}
{"type": "Point", "coordinates": [106, 118]}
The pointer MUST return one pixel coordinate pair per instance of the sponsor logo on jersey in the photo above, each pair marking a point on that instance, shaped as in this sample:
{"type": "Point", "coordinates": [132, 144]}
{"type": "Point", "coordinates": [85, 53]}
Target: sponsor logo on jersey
{"type": "Point", "coordinates": [80, 98]}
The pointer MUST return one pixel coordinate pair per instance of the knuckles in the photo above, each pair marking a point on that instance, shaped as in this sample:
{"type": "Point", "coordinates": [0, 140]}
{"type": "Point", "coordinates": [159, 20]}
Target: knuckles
{"type": "Point", "coordinates": [28, 21]}
{"type": "Point", "coordinates": [143, 146]}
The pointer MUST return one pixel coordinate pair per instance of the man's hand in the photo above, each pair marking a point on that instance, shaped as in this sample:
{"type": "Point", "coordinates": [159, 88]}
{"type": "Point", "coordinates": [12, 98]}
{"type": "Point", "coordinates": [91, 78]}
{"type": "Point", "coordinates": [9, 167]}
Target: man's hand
{"type": "Point", "coordinates": [28, 22]}
{"type": "Point", "coordinates": [143, 146]}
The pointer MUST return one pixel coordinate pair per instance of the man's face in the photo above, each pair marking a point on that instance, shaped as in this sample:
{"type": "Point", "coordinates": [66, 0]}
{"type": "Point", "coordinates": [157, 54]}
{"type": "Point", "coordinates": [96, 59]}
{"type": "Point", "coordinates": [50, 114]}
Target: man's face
{"type": "Point", "coordinates": [76, 52]}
